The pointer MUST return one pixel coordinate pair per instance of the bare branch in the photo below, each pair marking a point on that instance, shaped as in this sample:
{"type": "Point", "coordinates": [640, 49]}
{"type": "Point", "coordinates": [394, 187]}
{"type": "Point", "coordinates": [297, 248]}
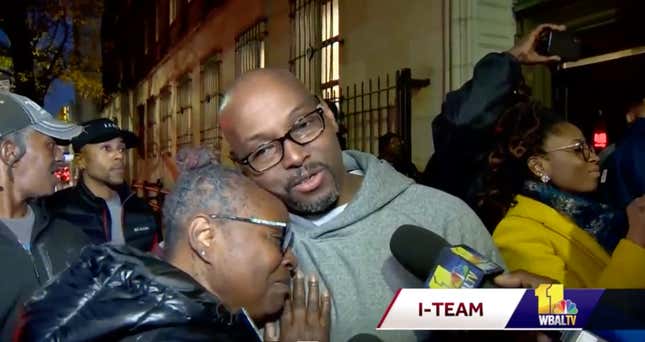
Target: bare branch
{"type": "Point", "coordinates": [52, 40]}
{"type": "Point", "coordinates": [59, 53]}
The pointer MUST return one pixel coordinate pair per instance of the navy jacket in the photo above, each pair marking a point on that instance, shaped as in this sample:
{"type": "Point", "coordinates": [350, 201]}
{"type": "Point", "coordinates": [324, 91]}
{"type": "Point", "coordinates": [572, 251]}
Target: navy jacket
{"type": "Point", "coordinates": [626, 168]}
{"type": "Point", "coordinates": [463, 133]}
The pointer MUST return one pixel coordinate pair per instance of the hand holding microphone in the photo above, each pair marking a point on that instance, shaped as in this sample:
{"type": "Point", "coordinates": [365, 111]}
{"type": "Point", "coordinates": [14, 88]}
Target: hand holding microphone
{"type": "Point", "coordinates": [427, 255]}
{"type": "Point", "coordinates": [433, 260]}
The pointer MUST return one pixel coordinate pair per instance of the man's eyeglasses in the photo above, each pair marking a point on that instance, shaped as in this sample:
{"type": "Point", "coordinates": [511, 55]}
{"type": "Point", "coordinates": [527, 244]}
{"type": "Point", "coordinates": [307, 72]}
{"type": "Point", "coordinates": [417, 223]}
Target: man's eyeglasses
{"type": "Point", "coordinates": [305, 130]}
{"type": "Point", "coordinates": [580, 147]}
{"type": "Point", "coordinates": [286, 239]}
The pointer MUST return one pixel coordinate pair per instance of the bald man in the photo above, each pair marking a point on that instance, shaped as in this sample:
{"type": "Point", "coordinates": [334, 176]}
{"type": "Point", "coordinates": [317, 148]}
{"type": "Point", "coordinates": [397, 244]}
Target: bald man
{"type": "Point", "coordinates": [344, 206]}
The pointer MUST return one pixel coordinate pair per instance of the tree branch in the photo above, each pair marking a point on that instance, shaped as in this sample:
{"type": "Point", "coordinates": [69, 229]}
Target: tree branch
{"type": "Point", "coordinates": [50, 76]}
{"type": "Point", "coordinates": [53, 38]}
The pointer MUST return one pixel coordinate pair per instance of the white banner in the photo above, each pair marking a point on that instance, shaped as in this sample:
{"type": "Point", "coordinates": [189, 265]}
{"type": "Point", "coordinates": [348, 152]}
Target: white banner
{"type": "Point", "coordinates": [451, 309]}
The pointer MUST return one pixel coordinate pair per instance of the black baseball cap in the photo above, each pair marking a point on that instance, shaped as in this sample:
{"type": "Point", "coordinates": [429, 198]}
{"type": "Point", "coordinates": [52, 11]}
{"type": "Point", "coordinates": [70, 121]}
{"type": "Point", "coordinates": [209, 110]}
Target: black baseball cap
{"type": "Point", "coordinates": [18, 112]}
{"type": "Point", "coordinates": [101, 130]}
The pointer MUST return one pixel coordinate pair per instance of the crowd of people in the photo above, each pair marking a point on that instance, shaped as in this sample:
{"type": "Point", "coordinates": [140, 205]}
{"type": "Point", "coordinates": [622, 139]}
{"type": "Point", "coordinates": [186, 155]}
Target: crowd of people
{"type": "Point", "coordinates": [293, 244]}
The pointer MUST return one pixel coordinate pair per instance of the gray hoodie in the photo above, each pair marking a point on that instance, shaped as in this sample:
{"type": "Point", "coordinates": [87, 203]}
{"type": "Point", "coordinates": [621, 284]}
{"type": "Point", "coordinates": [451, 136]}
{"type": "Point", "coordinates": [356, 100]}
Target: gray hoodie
{"type": "Point", "coordinates": [351, 252]}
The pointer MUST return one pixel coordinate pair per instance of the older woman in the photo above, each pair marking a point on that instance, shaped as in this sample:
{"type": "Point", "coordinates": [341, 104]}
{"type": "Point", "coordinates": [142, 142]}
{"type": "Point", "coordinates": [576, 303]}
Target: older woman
{"type": "Point", "coordinates": [227, 266]}
{"type": "Point", "coordinates": [539, 175]}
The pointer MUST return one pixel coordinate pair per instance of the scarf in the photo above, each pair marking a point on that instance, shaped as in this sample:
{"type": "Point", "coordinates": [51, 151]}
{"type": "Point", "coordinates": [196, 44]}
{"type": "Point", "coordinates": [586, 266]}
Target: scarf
{"type": "Point", "coordinates": [606, 225]}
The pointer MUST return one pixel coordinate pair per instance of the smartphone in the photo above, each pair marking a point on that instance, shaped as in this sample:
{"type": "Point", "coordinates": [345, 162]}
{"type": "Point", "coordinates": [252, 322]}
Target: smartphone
{"type": "Point", "coordinates": [559, 43]}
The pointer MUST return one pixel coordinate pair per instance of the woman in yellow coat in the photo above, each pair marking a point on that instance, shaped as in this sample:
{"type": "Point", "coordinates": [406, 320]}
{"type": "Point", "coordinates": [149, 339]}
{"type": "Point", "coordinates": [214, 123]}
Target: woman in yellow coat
{"type": "Point", "coordinates": [539, 175]}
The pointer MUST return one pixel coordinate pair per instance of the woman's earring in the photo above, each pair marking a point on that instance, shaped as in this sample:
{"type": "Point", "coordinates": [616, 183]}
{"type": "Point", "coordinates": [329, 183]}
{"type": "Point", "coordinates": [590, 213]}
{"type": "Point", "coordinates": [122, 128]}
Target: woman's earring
{"type": "Point", "coordinates": [202, 253]}
{"type": "Point", "coordinates": [545, 178]}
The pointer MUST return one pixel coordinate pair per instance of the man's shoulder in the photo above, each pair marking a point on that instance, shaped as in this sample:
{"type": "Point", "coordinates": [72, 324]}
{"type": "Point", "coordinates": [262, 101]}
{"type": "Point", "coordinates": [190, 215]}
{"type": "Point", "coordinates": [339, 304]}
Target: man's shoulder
{"type": "Point", "coordinates": [446, 215]}
{"type": "Point", "coordinates": [428, 198]}
{"type": "Point", "coordinates": [61, 198]}
{"type": "Point", "coordinates": [632, 142]}
{"type": "Point", "coordinates": [70, 191]}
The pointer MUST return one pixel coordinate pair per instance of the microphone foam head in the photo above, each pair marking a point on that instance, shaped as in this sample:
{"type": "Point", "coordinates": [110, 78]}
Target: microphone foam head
{"type": "Point", "coordinates": [417, 249]}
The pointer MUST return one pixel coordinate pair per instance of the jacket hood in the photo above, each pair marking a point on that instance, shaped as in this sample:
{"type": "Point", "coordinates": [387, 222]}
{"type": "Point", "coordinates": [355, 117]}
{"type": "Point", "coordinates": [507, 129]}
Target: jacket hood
{"type": "Point", "coordinates": [113, 292]}
{"type": "Point", "coordinates": [381, 184]}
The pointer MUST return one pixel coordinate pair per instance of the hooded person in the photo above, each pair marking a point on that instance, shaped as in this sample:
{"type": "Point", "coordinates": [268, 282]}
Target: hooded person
{"type": "Point", "coordinates": [344, 205]}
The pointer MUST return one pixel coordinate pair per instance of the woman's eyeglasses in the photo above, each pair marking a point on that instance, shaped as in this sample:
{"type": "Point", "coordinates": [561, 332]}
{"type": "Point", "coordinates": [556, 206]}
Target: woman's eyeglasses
{"type": "Point", "coordinates": [580, 147]}
{"type": "Point", "coordinates": [286, 239]}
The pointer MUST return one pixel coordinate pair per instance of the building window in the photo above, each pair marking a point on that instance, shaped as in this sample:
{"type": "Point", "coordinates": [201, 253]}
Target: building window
{"type": "Point", "coordinates": [315, 47]}
{"type": "Point", "coordinates": [184, 112]}
{"type": "Point", "coordinates": [146, 31]}
{"type": "Point", "coordinates": [330, 51]}
{"type": "Point", "coordinates": [211, 136]}
{"type": "Point", "coordinates": [151, 128]}
{"type": "Point", "coordinates": [165, 115]}
{"type": "Point", "coordinates": [249, 48]}
{"type": "Point", "coordinates": [173, 11]}
{"type": "Point", "coordinates": [157, 19]}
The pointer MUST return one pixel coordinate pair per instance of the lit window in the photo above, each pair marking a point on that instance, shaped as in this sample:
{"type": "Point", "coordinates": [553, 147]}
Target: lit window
{"type": "Point", "coordinates": [315, 48]}
{"type": "Point", "coordinates": [330, 52]}
{"type": "Point", "coordinates": [249, 48]}
{"type": "Point", "coordinates": [173, 10]}
{"type": "Point", "coordinates": [157, 23]}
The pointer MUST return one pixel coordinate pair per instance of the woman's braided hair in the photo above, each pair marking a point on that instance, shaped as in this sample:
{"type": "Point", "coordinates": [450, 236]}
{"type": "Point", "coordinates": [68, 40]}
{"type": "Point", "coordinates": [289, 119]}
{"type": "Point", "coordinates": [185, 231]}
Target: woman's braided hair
{"type": "Point", "coordinates": [519, 134]}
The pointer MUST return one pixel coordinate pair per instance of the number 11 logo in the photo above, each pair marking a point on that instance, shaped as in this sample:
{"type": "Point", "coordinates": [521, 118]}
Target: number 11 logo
{"type": "Point", "coordinates": [548, 296]}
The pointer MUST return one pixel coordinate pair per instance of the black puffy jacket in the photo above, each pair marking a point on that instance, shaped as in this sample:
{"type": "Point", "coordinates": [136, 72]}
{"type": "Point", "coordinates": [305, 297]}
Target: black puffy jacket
{"type": "Point", "coordinates": [120, 294]}
{"type": "Point", "coordinates": [78, 206]}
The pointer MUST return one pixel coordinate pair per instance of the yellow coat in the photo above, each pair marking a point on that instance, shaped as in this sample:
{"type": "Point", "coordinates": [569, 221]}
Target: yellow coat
{"type": "Point", "coordinates": [536, 238]}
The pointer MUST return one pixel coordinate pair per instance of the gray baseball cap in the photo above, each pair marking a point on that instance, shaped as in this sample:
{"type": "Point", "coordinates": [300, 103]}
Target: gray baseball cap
{"type": "Point", "coordinates": [18, 112]}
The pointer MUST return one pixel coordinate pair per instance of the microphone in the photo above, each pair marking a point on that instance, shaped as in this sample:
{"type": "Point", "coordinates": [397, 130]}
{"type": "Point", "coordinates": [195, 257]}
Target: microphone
{"type": "Point", "coordinates": [441, 266]}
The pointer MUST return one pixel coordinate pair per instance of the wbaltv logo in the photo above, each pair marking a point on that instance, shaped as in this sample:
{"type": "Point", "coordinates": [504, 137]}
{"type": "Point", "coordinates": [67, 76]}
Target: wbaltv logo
{"type": "Point", "coordinates": [553, 309]}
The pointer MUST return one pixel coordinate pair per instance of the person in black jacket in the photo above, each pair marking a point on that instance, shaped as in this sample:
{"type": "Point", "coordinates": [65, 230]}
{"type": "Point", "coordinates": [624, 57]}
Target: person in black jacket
{"type": "Point", "coordinates": [624, 169]}
{"type": "Point", "coordinates": [32, 250]}
{"type": "Point", "coordinates": [227, 267]}
{"type": "Point", "coordinates": [464, 131]}
{"type": "Point", "coordinates": [101, 204]}
{"type": "Point", "coordinates": [390, 149]}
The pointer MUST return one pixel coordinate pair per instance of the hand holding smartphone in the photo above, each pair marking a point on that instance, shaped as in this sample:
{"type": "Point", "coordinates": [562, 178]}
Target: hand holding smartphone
{"type": "Point", "coordinates": [559, 43]}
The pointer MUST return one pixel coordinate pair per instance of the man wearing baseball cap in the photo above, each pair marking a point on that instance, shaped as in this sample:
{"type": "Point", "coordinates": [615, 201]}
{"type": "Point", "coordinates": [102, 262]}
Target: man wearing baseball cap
{"type": "Point", "coordinates": [32, 248]}
{"type": "Point", "coordinates": [101, 204]}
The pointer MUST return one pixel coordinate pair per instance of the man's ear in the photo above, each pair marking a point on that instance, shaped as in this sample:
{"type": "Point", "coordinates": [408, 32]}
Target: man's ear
{"type": "Point", "coordinates": [79, 160]}
{"type": "Point", "coordinates": [538, 166]}
{"type": "Point", "coordinates": [201, 236]}
{"type": "Point", "coordinates": [8, 152]}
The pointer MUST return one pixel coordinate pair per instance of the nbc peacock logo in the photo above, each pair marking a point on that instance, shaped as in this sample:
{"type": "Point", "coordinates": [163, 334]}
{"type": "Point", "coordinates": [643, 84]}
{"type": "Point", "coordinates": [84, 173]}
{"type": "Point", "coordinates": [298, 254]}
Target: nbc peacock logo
{"type": "Point", "coordinates": [565, 307]}
{"type": "Point", "coordinates": [553, 309]}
